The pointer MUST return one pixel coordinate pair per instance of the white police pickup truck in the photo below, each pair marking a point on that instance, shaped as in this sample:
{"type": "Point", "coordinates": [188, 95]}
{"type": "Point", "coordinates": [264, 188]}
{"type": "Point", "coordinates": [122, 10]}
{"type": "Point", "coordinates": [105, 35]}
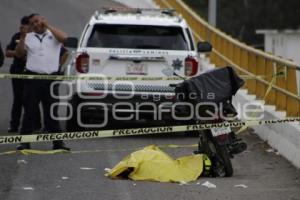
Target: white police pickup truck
{"type": "Point", "coordinates": [132, 44]}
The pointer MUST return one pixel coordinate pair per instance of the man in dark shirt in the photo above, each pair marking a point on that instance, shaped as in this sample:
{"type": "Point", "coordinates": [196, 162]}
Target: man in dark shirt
{"type": "Point", "coordinates": [1, 56]}
{"type": "Point", "coordinates": [18, 67]}
{"type": "Point", "coordinates": [42, 47]}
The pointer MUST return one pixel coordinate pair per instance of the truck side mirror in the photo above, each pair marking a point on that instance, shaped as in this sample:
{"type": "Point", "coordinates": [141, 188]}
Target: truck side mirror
{"type": "Point", "coordinates": [71, 42]}
{"type": "Point", "coordinates": [204, 47]}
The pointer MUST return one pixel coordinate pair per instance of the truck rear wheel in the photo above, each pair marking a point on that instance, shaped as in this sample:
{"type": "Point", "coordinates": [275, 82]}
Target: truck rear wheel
{"type": "Point", "coordinates": [72, 124]}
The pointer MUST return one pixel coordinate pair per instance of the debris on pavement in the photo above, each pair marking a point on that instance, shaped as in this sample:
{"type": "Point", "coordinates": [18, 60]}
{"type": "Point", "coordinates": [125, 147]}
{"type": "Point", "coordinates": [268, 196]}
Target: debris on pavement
{"type": "Point", "coordinates": [209, 185]}
{"type": "Point", "coordinates": [273, 151]}
{"type": "Point", "coordinates": [86, 168]}
{"type": "Point", "coordinates": [241, 186]}
{"type": "Point", "coordinates": [107, 170]}
{"type": "Point", "coordinates": [64, 178]}
{"type": "Point", "coordinates": [270, 150]}
{"type": "Point", "coordinates": [183, 183]}
{"type": "Point", "coordinates": [22, 162]}
{"type": "Point", "coordinates": [28, 188]}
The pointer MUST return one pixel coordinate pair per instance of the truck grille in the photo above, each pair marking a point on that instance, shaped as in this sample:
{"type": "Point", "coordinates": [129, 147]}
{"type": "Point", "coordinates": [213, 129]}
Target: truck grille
{"type": "Point", "coordinates": [128, 87]}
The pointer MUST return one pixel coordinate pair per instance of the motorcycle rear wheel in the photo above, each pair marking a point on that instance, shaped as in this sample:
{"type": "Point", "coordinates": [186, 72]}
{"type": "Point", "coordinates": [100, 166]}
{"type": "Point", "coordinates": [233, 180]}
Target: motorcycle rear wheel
{"type": "Point", "coordinates": [219, 154]}
{"type": "Point", "coordinates": [225, 156]}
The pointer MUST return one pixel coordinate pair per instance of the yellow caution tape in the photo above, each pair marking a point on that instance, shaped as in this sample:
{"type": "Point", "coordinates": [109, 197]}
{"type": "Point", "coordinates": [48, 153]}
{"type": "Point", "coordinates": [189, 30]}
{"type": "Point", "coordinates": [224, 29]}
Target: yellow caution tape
{"type": "Point", "coordinates": [34, 152]}
{"type": "Point", "coordinates": [101, 77]}
{"type": "Point", "coordinates": [136, 131]}
{"type": "Point", "coordinates": [40, 152]}
{"type": "Point", "coordinates": [86, 77]}
{"type": "Point", "coordinates": [8, 153]}
{"type": "Point", "coordinates": [265, 97]}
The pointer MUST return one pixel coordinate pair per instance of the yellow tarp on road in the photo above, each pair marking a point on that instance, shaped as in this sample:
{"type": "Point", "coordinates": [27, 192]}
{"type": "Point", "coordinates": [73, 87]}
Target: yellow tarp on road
{"type": "Point", "coordinates": [153, 164]}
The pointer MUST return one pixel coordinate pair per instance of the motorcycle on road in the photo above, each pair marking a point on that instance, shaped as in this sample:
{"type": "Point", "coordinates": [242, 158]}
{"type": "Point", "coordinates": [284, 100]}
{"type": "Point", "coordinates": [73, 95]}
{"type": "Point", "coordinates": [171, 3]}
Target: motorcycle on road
{"type": "Point", "coordinates": [210, 95]}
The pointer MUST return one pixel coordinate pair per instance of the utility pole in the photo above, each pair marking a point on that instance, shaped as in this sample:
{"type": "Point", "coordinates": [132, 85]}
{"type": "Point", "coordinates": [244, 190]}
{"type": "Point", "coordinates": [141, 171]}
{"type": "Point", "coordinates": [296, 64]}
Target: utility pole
{"type": "Point", "coordinates": [212, 12]}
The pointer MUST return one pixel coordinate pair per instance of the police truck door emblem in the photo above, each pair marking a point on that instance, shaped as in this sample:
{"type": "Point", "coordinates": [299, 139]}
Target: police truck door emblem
{"type": "Point", "coordinates": [168, 71]}
{"type": "Point", "coordinates": [177, 64]}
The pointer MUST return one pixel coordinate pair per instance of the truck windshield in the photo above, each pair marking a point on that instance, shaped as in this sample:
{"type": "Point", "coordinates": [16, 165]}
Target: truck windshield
{"type": "Point", "coordinates": [138, 37]}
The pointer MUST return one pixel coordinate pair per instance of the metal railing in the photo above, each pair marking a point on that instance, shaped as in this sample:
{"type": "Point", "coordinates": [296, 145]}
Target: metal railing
{"type": "Point", "coordinates": [246, 60]}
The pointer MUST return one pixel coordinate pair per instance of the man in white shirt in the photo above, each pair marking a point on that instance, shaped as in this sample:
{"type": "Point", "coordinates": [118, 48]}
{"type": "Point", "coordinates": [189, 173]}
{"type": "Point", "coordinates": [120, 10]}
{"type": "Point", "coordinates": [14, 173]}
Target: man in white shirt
{"type": "Point", "coordinates": [42, 47]}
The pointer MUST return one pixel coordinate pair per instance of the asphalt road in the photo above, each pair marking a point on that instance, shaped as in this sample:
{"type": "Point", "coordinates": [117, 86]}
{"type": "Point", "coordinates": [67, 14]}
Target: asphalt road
{"type": "Point", "coordinates": [265, 174]}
